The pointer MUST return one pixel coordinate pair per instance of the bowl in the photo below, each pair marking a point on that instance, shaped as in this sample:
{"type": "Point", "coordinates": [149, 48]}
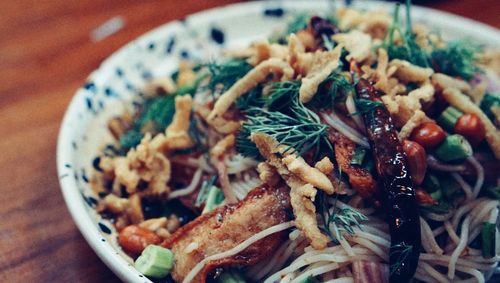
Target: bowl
{"type": "Point", "coordinates": [115, 86]}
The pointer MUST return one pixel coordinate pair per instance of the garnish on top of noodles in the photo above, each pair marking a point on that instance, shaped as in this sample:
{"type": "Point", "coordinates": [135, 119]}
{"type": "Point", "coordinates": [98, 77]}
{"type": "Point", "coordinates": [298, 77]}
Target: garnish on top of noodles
{"type": "Point", "coordinates": [354, 146]}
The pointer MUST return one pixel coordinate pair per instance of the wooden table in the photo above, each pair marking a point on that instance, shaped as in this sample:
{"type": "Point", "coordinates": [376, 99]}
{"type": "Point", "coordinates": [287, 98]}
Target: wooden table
{"type": "Point", "coordinates": [45, 55]}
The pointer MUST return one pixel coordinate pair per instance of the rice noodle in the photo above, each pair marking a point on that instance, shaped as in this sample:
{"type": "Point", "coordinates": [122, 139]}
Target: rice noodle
{"type": "Point", "coordinates": [433, 272]}
{"type": "Point", "coordinates": [428, 241]}
{"type": "Point", "coordinates": [463, 184]}
{"type": "Point", "coordinates": [351, 108]}
{"type": "Point", "coordinates": [237, 249]}
{"type": "Point", "coordinates": [341, 280]}
{"type": "Point", "coordinates": [438, 165]}
{"type": "Point", "coordinates": [460, 247]}
{"type": "Point", "coordinates": [316, 271]}
{"type": "Point", "coordinates": [480, 175]}
{"type": "Point", "coordinates": [189, 189]}
{"type": "Point", "coordinates": [237, 163]}
{"type": "Point", "coordinates": [335, 122]}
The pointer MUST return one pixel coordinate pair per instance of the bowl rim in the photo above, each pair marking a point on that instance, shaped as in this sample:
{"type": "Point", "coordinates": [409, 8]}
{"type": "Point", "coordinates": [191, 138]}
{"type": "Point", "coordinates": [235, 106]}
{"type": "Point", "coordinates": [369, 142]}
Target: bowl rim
{"type": "Point", "coordinates": [72, 196]}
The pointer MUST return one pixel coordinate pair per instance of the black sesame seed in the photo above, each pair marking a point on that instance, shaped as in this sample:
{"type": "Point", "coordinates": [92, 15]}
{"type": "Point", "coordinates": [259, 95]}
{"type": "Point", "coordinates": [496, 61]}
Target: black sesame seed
{"type": "Point", "coordinates": [217, 35]}
{"type": "Point", "coordinates": [67, 165]}
{"type": "Point", "coordinates": [151, 46]}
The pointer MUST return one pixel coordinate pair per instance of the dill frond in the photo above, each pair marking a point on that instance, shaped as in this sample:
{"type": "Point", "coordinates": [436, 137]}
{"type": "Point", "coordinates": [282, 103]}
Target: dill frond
{"type": "Point", "coordinates": [365, 106]}
{"type": "Point", "coordinates": [399, 256]}
{"type": "Point", "coordinates": [298, 134]}
{"type": "Point", "coordinates": [458, 58]}
{"type": "Point", "coordinates": [340, 220]}
{"type": "Point", "coordinates": [223, 75]}
{"type": "Point", "coordinates": [408, 50]}
{"type": "Point", "coordinates": [334, 88]}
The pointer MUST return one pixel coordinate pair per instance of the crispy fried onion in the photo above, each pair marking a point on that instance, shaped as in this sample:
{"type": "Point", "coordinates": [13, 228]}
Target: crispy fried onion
{"type": "Point", "coordinates": [176, 135]}
{"type": "Point", "coordinates": [144, 163]}
{"type": "Point", "coordinates": [403, 107]}
{"type": "Point", "coordinates": [323, 63]}
{"type": "Point", "coordinates": [357, 43]}
{"type": "Point", "coordinates": [257, 75]}
{"type": "Point", "coordinates": [302, 180]}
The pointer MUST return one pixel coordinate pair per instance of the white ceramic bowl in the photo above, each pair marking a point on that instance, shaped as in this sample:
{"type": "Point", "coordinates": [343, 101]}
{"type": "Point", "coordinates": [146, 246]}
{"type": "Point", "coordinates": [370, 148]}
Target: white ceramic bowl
{"type": "Point", "coordinates": [114, 86]}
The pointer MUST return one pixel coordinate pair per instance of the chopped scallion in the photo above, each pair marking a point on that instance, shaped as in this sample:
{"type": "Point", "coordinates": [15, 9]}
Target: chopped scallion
{"type": "Point", "coordinates": [488, 239]}
{"type": "Point", "coordinates": [454, 147]}
{"type": "Point", "coordinates": [449, 118]}
{"type": "Point", "coordinates": [155, 261]}
{"type": "Point", "coordinates": [214, 198]}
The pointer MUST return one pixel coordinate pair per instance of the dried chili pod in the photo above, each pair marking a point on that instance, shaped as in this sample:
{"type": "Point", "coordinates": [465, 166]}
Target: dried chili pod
{"type": "Point", "coordinates": [396, 184]}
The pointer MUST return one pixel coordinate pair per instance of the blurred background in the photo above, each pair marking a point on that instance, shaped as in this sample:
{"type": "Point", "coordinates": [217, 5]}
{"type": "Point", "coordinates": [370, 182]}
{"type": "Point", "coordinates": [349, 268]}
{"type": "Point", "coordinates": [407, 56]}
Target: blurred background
{"type": "Point", "coordinates": [47, 49]}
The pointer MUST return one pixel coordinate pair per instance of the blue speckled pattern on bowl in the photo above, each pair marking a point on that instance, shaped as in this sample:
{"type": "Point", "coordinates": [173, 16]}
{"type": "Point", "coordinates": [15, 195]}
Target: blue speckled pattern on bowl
{"type": "Point", "coordinates": [116, 85]}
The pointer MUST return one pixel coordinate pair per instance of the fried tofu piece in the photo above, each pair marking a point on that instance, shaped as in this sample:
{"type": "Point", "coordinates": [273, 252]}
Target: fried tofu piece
{"type": "Point", "coordinates": [227, 226]}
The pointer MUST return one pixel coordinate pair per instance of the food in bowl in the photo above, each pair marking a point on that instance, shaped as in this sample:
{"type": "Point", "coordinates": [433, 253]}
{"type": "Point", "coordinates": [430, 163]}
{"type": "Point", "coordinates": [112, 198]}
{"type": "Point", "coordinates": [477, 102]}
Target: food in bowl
{"type": "Point", "coordinates": [351, 147]}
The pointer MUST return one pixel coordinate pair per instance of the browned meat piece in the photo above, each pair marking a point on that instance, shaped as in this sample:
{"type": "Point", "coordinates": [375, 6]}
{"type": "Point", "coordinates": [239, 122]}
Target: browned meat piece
{"type": "Point", "coordinates": [367, 271]}
{"type": "Point", "coordinates": [227, 226]}
{"type": "Point", "coordinates": [359, 178]}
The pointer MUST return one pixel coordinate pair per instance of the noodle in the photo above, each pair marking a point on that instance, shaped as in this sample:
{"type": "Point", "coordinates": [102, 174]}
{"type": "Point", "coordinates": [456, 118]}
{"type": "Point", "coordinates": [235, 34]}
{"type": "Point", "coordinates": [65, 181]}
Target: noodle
{"type": "Point", "coordinates": [333, 120]}
{"type": "Point", "coordinates": [316, 271]}
{"type": "Point", "coordinates": [460, 247]}
{"type": "Point", "coordinates": [465, 187]}
{"type": "Point", "coordinates": [428, 241]}
{"type": "Point", "coordinates": [480, 175]}
{"type": "Point", "coordinates": [189, 189]}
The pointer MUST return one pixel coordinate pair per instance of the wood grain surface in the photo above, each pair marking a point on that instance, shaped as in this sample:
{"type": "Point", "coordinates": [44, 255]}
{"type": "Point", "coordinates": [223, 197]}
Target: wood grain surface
{"type": "Point", "coordinates": [45, 55]}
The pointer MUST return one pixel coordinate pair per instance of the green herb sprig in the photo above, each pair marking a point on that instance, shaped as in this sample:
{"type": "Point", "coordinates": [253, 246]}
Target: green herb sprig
{"type": "Point", "coordinates": [366, 106]}
{"type": "Point", "coordinates": [401, 254]}
{"type": "Point", "coordinates": [299, 134]}
{"type": "Point", "coordinates": [285, 119]}
{"type": "Point", "coordinates": [458, 58]}
{"type": "Point", "coordinates": [409, 49]}
{"type": "Point", "coordinates": [334, 88]}
{"type": "Point", "coordinates": [342, 220]}
{"type": "Point", "coordinates": [223, 75]}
